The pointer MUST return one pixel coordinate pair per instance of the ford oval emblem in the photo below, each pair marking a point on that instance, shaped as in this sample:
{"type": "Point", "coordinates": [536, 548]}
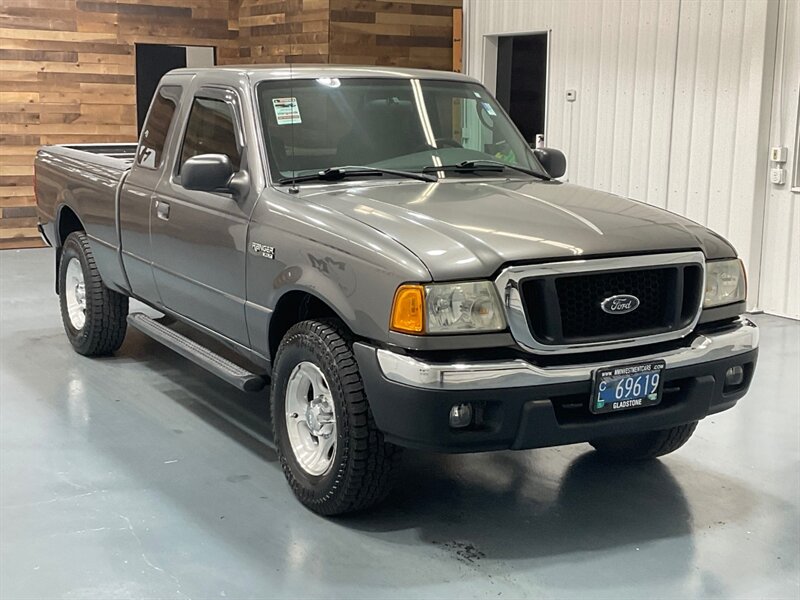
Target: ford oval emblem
{"type": "Point", "coordinates": [620, 304]}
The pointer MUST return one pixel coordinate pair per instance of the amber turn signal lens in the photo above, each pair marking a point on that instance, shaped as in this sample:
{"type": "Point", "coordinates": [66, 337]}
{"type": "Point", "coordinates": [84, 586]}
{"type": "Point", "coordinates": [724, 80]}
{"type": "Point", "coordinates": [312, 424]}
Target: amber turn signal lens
{"type": "Point", "coordinates": [408, 310]}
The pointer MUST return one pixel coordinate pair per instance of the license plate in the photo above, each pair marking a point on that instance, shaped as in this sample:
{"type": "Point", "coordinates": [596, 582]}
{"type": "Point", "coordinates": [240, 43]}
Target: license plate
{"type": "Point", "coordinates": [626, 387]}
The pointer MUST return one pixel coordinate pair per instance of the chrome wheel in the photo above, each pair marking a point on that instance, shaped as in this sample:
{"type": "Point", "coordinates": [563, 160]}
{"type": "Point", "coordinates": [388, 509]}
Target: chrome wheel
{"type": "Point", "coordinates": [310, 419]}
{"type": "Point", "coordinates": [75, 294]}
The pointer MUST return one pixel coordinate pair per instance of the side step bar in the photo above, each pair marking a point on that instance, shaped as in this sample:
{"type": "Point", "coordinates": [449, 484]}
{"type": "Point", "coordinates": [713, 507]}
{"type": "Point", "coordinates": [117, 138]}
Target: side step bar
{"type": "Point", "coordinates": [197, 353]}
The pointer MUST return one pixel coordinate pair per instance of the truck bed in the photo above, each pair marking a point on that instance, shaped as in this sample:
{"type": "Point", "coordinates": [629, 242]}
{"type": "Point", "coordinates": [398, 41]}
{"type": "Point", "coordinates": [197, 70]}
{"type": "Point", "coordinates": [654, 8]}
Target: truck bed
{"type": "Point", "coordinates": [125, 152]}
{"type": "Point", "coordinates": [63, 167]}
{"type": "Point", "coordinates": [85, 179]}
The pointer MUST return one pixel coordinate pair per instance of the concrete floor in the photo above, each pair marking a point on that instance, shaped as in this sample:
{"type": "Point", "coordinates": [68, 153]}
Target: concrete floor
{"type": "Point", "coordinates": [141, 476]}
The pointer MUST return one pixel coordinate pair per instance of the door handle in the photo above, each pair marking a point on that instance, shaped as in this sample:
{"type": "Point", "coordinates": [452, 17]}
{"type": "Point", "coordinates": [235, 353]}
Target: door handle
{"type": "Point", "coordinates": [162, 210]}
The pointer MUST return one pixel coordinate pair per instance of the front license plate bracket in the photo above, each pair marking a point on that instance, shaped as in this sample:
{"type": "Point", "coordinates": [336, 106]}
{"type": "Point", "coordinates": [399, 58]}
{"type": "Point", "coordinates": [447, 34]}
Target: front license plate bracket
{"type": "Point", "coordinates": [627, 387]}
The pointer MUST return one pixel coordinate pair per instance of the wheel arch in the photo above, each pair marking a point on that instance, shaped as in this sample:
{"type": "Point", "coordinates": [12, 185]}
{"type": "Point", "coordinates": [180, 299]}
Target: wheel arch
{"type": "Point", "coordinates": [293, 307]}
{"type": "Point", "coordinates": [67, 221]}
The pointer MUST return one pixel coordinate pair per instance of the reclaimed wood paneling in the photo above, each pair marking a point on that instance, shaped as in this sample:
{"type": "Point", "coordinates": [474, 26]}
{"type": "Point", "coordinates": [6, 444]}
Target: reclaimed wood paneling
{"type": "Point", "coordinates": [67, 75]}
{"type": "Point", "coordinates": [411, 33]}
{"type": "Point", "coordinates": [414, 33]}
{"type": "Point", "coordinates": [282, 31]}
{"type": "Point", "coordinates": [458, 47]}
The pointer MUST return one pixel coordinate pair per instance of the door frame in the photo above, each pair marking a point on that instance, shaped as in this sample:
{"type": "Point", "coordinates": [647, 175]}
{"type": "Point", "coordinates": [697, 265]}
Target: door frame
{"type": "Point", "coordinates": [488, 75]}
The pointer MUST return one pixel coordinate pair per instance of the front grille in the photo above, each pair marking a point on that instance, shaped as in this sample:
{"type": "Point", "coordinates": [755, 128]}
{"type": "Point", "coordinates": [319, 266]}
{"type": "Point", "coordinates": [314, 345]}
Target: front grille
{"type": "Point", "coordinates": [566, 308]}
{"type": "Point", "coordinates": [580, 296]}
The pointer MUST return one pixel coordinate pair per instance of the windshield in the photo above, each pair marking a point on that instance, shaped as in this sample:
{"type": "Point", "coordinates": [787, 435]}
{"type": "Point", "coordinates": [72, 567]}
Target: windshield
{"type": "Point", "coordinates": [403, 124]}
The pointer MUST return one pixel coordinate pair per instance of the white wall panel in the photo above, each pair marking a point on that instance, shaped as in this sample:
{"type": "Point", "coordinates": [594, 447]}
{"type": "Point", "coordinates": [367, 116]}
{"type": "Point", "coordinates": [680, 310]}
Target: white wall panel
{"type": "Point", "coordinates": [660, 115]}
{"type": "Point", "coordinates": [781, 257]}
{"type": "Point", "coordinates": [716, 170]}
{"type": "Point", "coordinates": [673, 101]}
{"type": "Point", "coordinates": [620, 56]}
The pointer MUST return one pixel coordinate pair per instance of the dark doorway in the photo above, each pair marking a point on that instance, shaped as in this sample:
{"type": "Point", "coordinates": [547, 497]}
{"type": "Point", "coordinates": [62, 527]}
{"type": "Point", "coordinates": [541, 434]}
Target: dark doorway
{"type": "Point", "coordinates": [152, 61]}
{"type": "Point", "coordinates": [522, 81]}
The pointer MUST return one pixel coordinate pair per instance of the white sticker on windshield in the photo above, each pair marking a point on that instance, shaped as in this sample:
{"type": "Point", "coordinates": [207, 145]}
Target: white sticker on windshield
{"type": "Point", "coordinates": [489, 109]}
{"type": "Point", "coordinates": [286, 111]}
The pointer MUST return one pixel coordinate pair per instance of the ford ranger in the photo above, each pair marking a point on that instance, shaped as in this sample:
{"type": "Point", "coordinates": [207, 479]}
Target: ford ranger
{"type": "Point", "coordinates": [384, 249]}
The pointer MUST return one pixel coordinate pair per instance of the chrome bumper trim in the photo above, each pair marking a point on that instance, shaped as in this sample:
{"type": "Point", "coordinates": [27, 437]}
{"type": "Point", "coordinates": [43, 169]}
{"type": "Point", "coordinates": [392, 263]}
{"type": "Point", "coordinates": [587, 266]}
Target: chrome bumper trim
{"type": "Point", "coordinates": [519, 373]}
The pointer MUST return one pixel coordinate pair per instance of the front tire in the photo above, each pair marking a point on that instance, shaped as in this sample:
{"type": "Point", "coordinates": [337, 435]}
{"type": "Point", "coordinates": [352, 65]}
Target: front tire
{"type": "Point", "coordinates": [645, 446]}
{"type": "Point", "coordinates": [332, 454]}
{"type": "Point", "coordinates": [94, 316]}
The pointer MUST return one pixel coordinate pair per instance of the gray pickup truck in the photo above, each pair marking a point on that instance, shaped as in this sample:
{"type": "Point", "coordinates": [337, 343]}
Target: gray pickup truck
{"type": "Point", "coordinates": [384, 248]}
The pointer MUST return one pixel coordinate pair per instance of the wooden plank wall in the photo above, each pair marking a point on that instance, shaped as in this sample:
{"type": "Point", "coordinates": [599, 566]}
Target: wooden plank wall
{"type": "Point", "coordinates": [67, 74]}
{"type": "Point", "coordinates": [67, 67]}
{"type": "Point", "coordinates": [410, 33]}
{"type": "Point", "coordinates": [281, 31]}
{"type": "Point", "coordinates": [458, 36]}
{"type": "Point", "coordinates": [413, 33]}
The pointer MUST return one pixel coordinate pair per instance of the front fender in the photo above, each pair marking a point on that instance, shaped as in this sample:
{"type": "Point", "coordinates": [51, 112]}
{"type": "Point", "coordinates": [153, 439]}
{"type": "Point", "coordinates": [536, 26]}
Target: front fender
{"type": "Point", "coordinates": [309, 279]}
{"type": "Point", "coordinates": [350, 266]}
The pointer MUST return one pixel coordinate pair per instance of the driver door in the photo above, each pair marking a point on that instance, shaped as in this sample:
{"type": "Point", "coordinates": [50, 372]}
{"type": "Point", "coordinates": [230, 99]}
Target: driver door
{"type": "Point", "coordinates": [199, 238]}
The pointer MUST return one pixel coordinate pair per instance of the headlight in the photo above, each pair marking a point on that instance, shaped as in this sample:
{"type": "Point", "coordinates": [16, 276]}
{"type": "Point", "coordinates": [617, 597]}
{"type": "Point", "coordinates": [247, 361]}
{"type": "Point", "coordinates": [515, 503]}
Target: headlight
{"type": "Point", "coordinates": [725, 283]}
{"type": "Point", "coordinates": [463, 307]}
{"type": "Point", "coordinates": [468, 307]}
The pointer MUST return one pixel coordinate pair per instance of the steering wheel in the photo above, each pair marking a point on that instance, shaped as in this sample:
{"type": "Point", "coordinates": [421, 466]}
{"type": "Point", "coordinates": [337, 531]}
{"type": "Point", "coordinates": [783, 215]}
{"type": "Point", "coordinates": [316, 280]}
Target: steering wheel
{"type": "Point", "coordinates": [484, 116]}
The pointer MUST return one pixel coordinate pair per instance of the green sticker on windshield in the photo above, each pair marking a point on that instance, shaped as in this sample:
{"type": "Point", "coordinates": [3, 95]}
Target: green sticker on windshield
{"type": "Point", "coordinates": [286, 111]}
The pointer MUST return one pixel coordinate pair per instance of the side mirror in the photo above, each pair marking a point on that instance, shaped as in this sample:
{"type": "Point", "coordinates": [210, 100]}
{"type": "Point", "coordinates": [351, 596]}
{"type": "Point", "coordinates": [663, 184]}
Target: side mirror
{"type": "Point", "coordinates": [207, 172]}
{"type": "Point", "coordinates": [553, 161]}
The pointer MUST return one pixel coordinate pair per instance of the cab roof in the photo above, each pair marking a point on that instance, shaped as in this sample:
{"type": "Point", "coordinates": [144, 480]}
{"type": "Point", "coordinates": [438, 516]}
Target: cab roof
{"type": "Point", "coordinates": [302, 71]}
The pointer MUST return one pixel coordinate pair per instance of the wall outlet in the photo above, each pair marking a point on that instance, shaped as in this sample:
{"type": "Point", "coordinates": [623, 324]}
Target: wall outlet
{"type": "Point", "coordinates": [777, 176]}
{"type": "Point", "coordinates": [777, 154]}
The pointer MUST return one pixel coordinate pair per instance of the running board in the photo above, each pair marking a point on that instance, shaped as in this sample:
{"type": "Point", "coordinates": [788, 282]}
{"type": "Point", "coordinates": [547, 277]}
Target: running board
{"type": "Point", "coordinates": [197, 353]}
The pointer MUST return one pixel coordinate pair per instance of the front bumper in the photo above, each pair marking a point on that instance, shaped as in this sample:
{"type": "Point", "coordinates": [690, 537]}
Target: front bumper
{"type": "Point", "coordinates": [522, 405]}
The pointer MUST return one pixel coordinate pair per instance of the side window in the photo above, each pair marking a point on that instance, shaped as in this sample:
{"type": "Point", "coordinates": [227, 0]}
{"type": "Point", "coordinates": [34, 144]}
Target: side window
{"type": "Point", "coordinates": [154, 134]}
{"type": "Point", "coordinates": [210, 131]}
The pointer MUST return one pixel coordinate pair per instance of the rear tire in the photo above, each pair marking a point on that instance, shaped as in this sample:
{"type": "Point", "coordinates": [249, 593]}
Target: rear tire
{"type": "Point", "coordinates": [645, 446]}
{"type": "Point", "coordinates": [94, 316]}
{"type": "Point", "coordinates": [315, 366]}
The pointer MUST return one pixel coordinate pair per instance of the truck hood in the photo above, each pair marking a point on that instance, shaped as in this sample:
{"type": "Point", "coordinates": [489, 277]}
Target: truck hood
{"type": "Point", "coordinates": [466, 229]}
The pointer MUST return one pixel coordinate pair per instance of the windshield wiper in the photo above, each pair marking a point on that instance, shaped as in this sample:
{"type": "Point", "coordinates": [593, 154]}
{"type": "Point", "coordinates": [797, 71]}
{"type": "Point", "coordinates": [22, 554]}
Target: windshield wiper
{"type": "Point", "coordinates": [484, 165]}
{"type": "Point", "coordinates": [339, 173]}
